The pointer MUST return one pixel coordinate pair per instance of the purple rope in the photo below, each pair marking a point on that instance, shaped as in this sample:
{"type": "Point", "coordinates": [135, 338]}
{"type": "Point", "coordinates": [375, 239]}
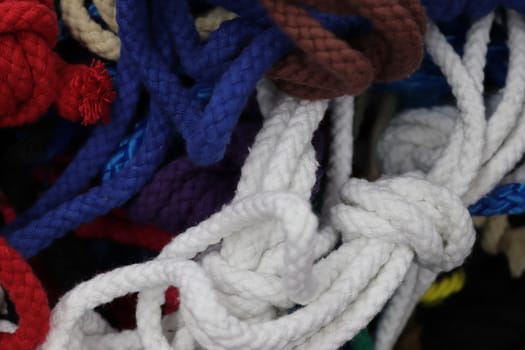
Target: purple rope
{"type": "Point", "coordinates": [181, 195]}
{"type": "Point", "coordinates": [149, 56]}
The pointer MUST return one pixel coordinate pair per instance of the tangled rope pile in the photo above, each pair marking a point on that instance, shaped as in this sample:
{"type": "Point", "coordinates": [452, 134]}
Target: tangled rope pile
{"type": "Point", "coordinates": [501, 146]}
{"type": "Point", "coordinates": [105, 42]}
{"type": "Point", "coordinates": [243, 267]}
{"type": "Point", "coordinates": [34, 76]}
{"type": "Point", "coordinates": [328, 66]}
{"type": "Point", "coordinates": [247, 258]}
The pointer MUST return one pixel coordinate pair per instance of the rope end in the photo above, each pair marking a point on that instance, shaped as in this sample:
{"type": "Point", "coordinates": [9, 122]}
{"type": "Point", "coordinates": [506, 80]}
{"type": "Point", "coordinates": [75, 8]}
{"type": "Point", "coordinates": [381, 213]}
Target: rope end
{"type": "Point", "coordinates": [86, 93]}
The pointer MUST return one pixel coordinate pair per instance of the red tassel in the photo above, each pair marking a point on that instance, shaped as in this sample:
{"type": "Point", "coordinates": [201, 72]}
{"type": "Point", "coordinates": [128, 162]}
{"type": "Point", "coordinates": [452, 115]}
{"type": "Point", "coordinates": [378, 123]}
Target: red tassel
{"type": "Point", "coordinates": [85, 93]}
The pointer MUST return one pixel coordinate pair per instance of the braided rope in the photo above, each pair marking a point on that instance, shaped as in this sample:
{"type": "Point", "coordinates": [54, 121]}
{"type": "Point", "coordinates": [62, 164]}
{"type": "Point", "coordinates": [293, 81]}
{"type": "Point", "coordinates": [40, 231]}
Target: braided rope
{"type": "Point", "coordinates": [105, 42]}
{"type": "Point", "coordinates": [265, 263]}
{"type": "Point", "coordinates": [61, 208]}
{"type": "Point", "coordinates": [431, 129]}
{"type": "Point", "coordinates": [29, 298]}
{"type": "Point", "coordinates": [34, 76]}
{"type": "Point", "coordinates": [181, 195]}
{"type": "Point", "coordinates": [206, 129]}
{"type": "Point", "coordinates": [328, 67]}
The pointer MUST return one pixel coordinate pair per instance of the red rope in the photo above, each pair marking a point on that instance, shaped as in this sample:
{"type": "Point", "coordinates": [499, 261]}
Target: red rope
{"type": "Point", "coordinates": [33, 76]}
{"type": "Point", "coordinates": [123, 231]}
{"type": "Point", "coordinates": [31, 305]}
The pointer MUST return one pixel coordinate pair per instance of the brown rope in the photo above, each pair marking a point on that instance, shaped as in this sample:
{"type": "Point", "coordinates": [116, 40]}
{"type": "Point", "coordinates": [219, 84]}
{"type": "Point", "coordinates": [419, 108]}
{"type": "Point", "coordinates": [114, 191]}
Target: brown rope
{"type": "Point", "coordinates": [326, 66]}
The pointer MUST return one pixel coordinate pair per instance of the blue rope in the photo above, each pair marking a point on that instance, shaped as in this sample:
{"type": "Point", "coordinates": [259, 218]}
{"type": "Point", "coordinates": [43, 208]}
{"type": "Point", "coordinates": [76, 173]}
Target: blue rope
{"type": "Point", "coordinates": [158, 36]}
{"type": "Point", "coordinates": [505, 199]}
{"type": "Point", "coordinates": [428, 86]}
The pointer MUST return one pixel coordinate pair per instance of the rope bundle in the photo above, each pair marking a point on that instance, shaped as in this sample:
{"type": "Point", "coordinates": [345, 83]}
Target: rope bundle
{"type": "Point", "coordinates": [328, 67]}
{"type": "Point", "coordinates": [33, 76]}
{"type": "Point", "coordinates": [435, 132]}
{"type": "Point", "coordinates": [206, 128]}
{"type": "Point", "coordinates": [253, 250]}
{"type": "Point", "coordinates": [104, 41]}
{"type": "Point", "coordinates": [266, 271]}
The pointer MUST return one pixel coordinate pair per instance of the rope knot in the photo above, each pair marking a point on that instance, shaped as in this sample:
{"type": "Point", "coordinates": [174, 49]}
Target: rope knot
{"type": "Point", "coordinates": [408, 210]}
{"type": "Point", "coordinates": [33, 76]}
{"type": "Point", "coordinates": [254, 283]}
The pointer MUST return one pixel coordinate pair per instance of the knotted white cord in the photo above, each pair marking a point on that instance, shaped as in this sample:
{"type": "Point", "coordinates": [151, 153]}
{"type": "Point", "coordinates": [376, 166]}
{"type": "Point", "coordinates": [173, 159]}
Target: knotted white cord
{"type": "Point", "coordinates": [237, 299]}
{"type": "Point", "coordinates": [416, 138]}
{"type": "Point", "coordinates": [262, 253]}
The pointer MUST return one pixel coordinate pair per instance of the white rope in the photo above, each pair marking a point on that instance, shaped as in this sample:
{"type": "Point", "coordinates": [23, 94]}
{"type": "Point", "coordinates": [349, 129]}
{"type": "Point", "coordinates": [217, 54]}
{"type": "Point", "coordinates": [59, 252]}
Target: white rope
{"type": "Point", "coordinates": [417, 138]}
{"type": "Point", "coordinates": [242, 269]}
{"type": "Point", "coordinates": [235, 296]}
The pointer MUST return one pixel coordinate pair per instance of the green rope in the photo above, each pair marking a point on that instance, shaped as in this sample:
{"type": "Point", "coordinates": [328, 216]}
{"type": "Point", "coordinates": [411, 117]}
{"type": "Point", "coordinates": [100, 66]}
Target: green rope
{"type": "Point", "coordinates": [362, 341]}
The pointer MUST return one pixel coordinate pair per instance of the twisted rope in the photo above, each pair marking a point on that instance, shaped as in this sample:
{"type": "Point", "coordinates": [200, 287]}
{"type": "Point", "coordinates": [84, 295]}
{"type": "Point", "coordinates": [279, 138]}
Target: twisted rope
{"type": "Point", "coordinates": [506, 199]}
{"type": "Point", "coordinates": [234, 296]}
{"type": "Point", "coordinates": [34, 77]}
{"type": "Point", "coordinates": [181, 195]}
{"type": "Point", "coordinates": [329, 67]}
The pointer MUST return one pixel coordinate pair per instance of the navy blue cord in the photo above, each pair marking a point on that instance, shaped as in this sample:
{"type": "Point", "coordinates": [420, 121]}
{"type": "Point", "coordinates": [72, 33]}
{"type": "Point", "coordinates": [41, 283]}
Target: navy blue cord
{"type": "Point", "coordinates": [447, 10]}
{"type": "Point", "coordinates": [159, 46]}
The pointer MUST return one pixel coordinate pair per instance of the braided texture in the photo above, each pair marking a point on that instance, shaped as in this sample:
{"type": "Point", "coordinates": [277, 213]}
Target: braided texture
{"type": "Point", "coordinates": [148, 55]}
{"type": "Point", "coordinates": [505, 199]}
{"type": "Point", "coordinates": [329, 67]}
{"type": "Point", "coordinates": [60, 209]}
{"type": "Point", "coordinates": [446, 10]}
{"type": "Point", "coordinates": [105, 42]}
{"type": "Point", "coordinates": [33, 76]}
{"type": "Point", "coordinates": [181, 195]}
{"type": "Point", "coordinates": [29, 298]}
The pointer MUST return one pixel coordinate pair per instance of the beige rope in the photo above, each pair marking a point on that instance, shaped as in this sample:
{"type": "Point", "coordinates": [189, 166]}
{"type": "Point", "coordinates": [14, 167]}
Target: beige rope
{"type": "Point", "coordinates": [493, 230]}
{"type": "Point", "coordinates": [498, 237]}
{"type": "Point", "coordinates": [512, 244]}
{"type": "Point", "coordinates": [108, 11]}
{"type": "Point", "coordinates": [106, 43]}
{"type": "Point", "coordinates": [98, 40]}
{"type": "Point", "coordinates": [212, 20]}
